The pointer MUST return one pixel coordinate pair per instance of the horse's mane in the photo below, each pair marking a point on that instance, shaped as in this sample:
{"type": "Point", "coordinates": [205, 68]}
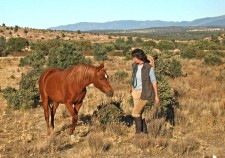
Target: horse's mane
{"type": "Point", "coordinates": [81, 72]}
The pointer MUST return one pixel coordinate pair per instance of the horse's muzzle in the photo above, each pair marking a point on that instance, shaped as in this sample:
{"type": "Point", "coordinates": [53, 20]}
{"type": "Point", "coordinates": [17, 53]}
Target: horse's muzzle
{"type": "Point", "coordinates": [109, 93]}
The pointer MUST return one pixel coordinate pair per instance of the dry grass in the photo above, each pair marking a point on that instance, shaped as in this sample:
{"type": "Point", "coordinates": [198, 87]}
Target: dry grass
{"type": "Point", "coordinates": [33, 35]}
{"type": "Point", "coordinates": [198, 132]}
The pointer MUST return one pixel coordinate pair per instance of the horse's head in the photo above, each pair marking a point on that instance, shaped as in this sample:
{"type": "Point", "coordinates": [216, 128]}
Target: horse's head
{"type": "Point", "coordinates": [101, 81]}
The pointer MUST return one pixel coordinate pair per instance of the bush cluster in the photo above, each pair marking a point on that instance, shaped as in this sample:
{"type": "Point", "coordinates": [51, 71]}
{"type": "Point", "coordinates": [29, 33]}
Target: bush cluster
{"type": "Point", "coordinates": [27, 95]}
{"type": "Point", "coordinates": [213, 59]}
{"type": "Point", "coordinates": [65, 56]}
{"type": "Point", "coordinates": [108, 114]}
{"type": "Point", "coordinates": [169, 67]}
{"type": "Point", "coordinates": [100, 52]}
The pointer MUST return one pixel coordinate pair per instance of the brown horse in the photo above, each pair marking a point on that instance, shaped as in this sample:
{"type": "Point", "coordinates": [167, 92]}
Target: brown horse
{"type": "Point", "coordinates": [69, 87]}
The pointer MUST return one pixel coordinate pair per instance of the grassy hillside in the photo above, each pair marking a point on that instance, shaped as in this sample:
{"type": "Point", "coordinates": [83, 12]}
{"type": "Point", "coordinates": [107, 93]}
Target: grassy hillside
{"type": "Point", "coordinates": [199, 118]}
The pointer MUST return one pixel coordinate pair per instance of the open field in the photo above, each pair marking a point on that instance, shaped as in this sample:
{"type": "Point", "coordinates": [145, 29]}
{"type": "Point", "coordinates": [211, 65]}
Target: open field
{"type": "Point", "coordinates": [199, 130]}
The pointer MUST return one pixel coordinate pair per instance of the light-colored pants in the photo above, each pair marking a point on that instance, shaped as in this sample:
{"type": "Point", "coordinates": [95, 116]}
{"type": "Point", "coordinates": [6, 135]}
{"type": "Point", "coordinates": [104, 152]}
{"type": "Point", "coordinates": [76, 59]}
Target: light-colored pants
{"type": "Point", "coordinates": [139, 104]}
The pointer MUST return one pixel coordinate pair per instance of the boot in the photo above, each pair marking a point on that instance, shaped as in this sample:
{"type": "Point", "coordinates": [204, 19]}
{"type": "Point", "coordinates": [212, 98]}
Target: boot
{"type": "Point", "coordinates": [138, 124]}
{"type": "Point", "coordinates": [144, 124]}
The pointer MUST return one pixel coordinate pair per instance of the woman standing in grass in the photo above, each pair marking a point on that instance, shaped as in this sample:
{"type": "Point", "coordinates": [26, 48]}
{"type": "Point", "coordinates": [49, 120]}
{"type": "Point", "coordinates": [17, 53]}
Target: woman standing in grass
{"type": "Point", "coordinates": [144, 87]}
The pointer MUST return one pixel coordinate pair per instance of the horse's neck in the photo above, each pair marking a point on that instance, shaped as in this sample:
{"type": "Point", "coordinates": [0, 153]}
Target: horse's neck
{"type": "Point", "coordinates": [82, 77]}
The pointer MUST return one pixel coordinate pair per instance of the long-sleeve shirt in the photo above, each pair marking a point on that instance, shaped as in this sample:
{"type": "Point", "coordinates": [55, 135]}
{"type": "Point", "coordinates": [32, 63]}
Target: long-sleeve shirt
{"type": "Point", "coordinates": [139, 80]}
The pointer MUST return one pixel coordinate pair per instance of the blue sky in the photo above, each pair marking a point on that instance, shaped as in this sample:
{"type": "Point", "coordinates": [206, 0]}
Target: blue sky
{"type": "Point", "coordinates": [43, 14]}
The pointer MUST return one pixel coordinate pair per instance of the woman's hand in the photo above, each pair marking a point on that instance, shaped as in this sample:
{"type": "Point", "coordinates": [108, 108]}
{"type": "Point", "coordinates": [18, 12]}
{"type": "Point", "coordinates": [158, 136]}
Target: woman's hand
{"type": "Point", "coordinates": [156, 100]}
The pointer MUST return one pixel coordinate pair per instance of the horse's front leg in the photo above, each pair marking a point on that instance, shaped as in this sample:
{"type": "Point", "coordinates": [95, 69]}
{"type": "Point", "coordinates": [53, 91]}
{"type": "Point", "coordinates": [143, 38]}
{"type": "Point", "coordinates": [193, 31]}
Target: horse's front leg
{"type": "Point", "coordinates": [77, 107]}
{"type": "Point", "coordinates": [73, 113]}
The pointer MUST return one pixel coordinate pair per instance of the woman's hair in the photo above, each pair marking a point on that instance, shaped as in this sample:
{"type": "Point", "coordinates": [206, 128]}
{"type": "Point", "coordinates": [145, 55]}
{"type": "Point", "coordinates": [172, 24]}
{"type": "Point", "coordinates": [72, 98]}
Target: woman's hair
{"type": "Point", "coordinates": [140, 54]}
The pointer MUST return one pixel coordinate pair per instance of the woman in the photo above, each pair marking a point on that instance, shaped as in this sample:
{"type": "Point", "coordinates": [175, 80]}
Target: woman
{"type": "Point", "coordinates": [144, 87]}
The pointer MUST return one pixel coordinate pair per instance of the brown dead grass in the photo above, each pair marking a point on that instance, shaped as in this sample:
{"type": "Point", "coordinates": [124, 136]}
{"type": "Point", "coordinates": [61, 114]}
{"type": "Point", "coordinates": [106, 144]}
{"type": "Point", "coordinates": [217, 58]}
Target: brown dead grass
{"type": "Point", "coordinates": [199, 129]}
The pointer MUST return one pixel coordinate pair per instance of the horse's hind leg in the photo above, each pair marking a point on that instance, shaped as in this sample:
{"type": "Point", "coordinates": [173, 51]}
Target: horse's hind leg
{"type": "Point", "coordinates": [46, 111]}
{"type": "Point", "coordinates": [53, 111]}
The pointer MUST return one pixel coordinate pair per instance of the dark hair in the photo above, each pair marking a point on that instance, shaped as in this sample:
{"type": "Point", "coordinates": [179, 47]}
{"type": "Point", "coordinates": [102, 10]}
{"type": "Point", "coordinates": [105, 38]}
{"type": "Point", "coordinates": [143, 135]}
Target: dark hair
{"type": "Point", "coordinates": [140, 54]}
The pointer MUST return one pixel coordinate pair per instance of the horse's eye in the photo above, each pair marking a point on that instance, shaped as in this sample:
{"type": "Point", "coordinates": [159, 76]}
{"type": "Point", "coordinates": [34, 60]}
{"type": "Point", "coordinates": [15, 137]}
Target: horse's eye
{"type": "Point", "coordinates": [101, 78]}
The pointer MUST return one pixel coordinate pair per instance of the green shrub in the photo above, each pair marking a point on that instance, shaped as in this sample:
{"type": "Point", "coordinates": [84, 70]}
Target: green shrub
{"type": "Point", "coordinates": [189, 53]}
{"type": "Point", "coordinates": [108, 114]}
{"type": "Point", "coordinates": [25, 31]}
{"type": "Point", "coordinates": [120, 44]}
{"type": "Point", "coordinates": [109, 47]}
{"type": "Point", "coordinates": [17, 44]}
{"type": "Point", "coordinates": [100, 52]}
{"type": "Point", "coordinates": [171, 68]}
{"type": "Point", "coordinates": [2, 44]}
{"type": "Point", "coordinates": [174, 68]}
{"type": "Point", "coordinates": [165, 45]}
{"type": "Point", "coordinates": [11, 95]}
{"type": "Point", "coordinates": [65, 56]}
{"type": "Point", "coordinates": [218, 53]}
{"type": "Point", "coordinates": [45, 46]}
{"type": "Point", "coordinates": [27, 95]}
{"type": "Point", "coordinates": [35, 59]}
{"type": "Point", "coordinates": [165, 91]}
{"type": "Point", "coordinates": [138, 40]}
{"type": "Point", "coordinates": [129, 41]}
{"type": "Point", "coordinates": [212, 59]}
{"type": "Point", "coordinates": [149, 43]}
{"type": "Point", "coordinates": [16, 28]}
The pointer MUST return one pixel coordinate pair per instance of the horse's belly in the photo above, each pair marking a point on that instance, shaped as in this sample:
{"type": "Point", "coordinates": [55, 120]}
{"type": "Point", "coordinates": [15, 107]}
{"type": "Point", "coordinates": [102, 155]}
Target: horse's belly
{"type": "Point", "coordinates": [56, 96]}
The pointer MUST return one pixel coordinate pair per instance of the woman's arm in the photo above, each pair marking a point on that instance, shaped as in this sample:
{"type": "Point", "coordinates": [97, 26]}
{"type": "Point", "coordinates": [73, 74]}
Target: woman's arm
{"type": "Point", "coordinates": [154, 83]}
{"type": "Point", "coordinates": [155, 87]}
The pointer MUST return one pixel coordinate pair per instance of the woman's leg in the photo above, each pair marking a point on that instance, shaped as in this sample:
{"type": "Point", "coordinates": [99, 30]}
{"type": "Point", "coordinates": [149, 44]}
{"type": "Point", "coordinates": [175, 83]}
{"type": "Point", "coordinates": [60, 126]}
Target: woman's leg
{"type": "Point", "coordinates": [138, 109]}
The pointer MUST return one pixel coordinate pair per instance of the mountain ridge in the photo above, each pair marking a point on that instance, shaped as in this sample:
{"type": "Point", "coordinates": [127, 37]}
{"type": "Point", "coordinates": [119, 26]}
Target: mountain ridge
{"type": "Point", "coordinates": [136, 24]}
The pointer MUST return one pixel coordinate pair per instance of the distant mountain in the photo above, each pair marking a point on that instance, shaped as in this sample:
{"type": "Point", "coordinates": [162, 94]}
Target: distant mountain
{"type": "Point", "coordinates": [133, 24]}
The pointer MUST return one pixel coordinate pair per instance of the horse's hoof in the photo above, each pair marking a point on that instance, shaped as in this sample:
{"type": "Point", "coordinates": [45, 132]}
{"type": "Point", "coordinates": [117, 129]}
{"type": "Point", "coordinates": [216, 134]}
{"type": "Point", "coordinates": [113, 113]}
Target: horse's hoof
{"type": "Point", "coordinates": [49, 133]}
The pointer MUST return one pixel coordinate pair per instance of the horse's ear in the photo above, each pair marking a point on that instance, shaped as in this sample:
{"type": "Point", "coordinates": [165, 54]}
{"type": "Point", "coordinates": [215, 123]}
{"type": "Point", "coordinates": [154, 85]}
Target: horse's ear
{"type": "Point", "coordinates": [101, 66]}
